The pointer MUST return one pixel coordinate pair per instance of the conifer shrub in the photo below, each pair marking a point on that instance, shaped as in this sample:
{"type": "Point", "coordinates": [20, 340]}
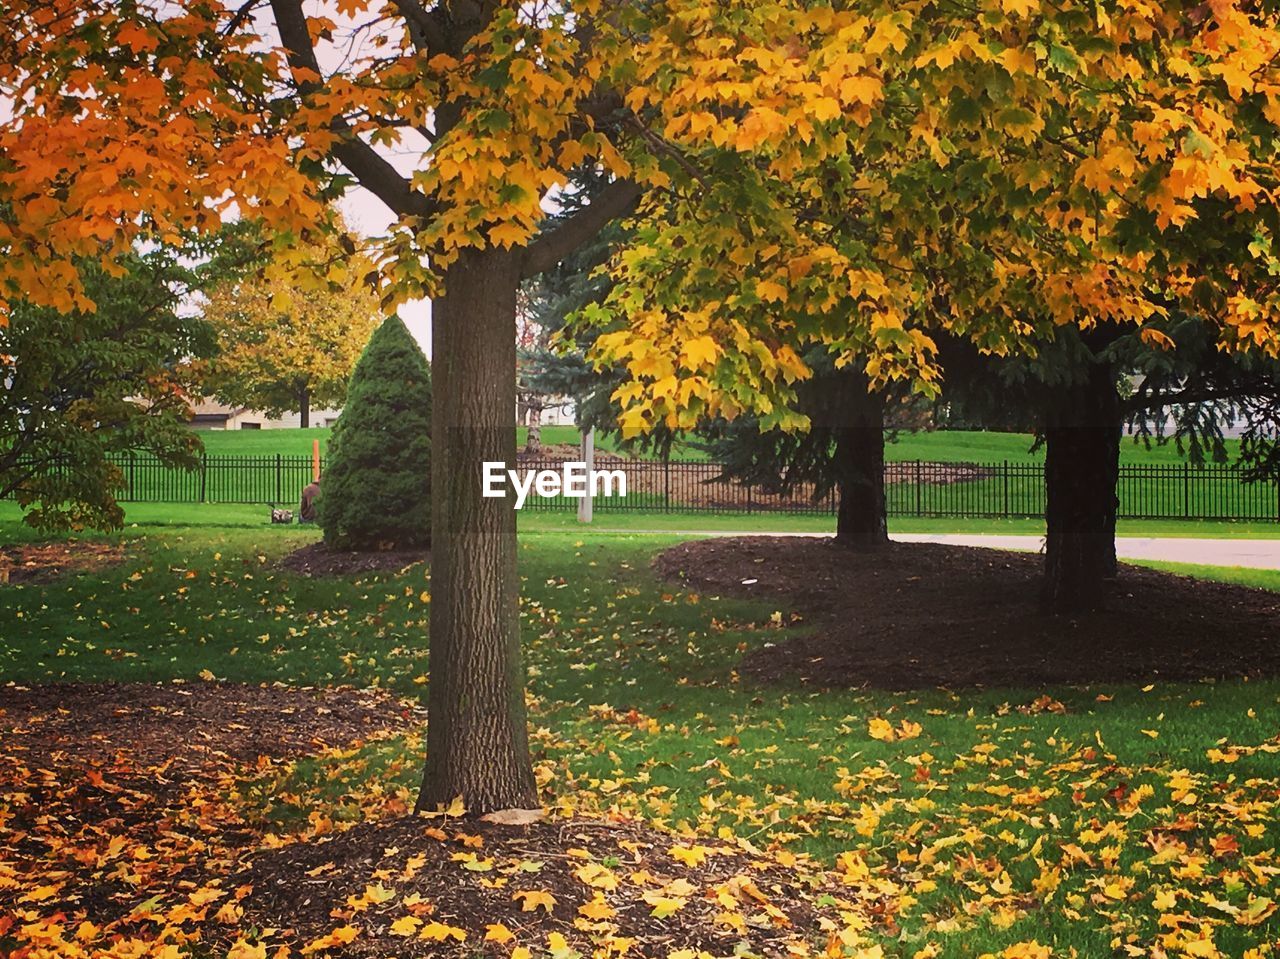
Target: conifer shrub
{"type": "Point", "coordinates": [376, 489]}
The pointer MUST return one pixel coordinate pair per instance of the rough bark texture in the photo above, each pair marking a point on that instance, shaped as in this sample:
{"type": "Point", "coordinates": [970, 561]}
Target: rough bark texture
{"type": "Point", "coordinates": [1082, 467]}
{"type": "Point", "coordinates": [860, 520]}
{"type": "Point", "coordinates": [477, 739]}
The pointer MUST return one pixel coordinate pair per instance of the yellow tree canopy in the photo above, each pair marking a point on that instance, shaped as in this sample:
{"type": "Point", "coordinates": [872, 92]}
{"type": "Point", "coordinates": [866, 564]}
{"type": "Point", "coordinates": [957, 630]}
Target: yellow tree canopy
{"type": "Point", "coordinates": [289, 335]}
{"type": "Point", "coordinates": [851, 172]}
{"type": "Point", "coordinates": [991, 176]}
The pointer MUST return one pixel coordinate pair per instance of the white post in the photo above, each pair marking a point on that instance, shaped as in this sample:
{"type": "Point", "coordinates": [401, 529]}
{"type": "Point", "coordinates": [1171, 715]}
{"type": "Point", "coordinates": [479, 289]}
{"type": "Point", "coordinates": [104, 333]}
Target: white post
{"type": "Point", "coordinates": [589, 457]}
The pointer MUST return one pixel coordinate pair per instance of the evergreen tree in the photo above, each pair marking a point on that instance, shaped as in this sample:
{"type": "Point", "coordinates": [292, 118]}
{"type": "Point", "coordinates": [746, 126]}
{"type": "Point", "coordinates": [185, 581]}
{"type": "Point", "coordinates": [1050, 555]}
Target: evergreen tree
{"type": "Point", "coordinates": [843, 449]}
{"type": "Point", "coordinates": [553, 362]}
{"type": "Point", "coordinates": [377, 487]}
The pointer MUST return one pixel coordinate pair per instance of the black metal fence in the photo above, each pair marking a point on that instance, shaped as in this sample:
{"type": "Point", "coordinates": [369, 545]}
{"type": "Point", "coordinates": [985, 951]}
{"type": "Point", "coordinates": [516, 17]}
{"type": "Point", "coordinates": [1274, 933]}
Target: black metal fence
{"type": "Point", "coordinates": [918, 488]}
{"type": "Point", "coordinates": [277, 479]}
{"type": "Point", "coordinates": [1004, 489]}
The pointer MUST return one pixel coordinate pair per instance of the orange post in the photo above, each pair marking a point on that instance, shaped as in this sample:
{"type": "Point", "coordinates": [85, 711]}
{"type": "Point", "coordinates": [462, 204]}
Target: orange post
{"type": "Point", "coordinates": [315, 460]}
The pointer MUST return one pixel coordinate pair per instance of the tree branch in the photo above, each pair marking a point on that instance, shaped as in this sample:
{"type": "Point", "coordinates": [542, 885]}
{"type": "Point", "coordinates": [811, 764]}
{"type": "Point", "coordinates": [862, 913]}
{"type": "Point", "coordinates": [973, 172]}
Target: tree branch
{"type": "Point", "coordinates": [370, 168]}
{"type": "Point", "coordinates": [425, 29]}
{"type": "Point", "coordinates": [616, 200]}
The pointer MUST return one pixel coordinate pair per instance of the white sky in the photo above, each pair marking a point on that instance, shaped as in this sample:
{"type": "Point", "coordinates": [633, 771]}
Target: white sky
{"type": "Point", "coordinates": [366, 216]}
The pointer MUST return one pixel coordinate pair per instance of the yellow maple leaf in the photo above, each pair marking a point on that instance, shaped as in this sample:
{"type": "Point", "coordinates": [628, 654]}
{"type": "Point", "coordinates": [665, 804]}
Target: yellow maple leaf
{"type": "Point", "coordinates": [1027, 950]}
{"type": "Point", "coordinates": [497, 932]}
{"type": "Point", "coordinates": [689, 855]}
{"type": "Point", "coordinates": [507, 234]}
{"type": "Point", "coordinates": [439, 932]}
{"type": "Point", "coordinates": [597, 909]}
{"type": "Point", "coordinates": [405, 926]}
{"type": "Point", "coordinates": [339, 937]}
{"type": "Point", "coordinates": [663, 906]}
{"type": "Point", "coordinates": [770, 291]}
{"type": "Point", "coordinates": [700, 351]}
{"type": "Point", "coordinates": [881, 729]}
{"type": "Point", "coordinates": [1019, 8]}
{"type": "Point", "coordinates": [530, 900]}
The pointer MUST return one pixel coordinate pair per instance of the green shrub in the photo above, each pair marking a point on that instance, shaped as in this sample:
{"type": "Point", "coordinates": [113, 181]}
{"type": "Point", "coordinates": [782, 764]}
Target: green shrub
{"type": "Point", "coordinates": [376, 489]}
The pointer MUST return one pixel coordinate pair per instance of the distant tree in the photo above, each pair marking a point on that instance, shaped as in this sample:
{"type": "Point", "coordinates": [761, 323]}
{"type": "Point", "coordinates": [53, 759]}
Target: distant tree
{"type": "Point", "coordinates": [376, 490]}
{"type": "Point", "coordinates": [293, 346]}
{"type": "Point", "coordinates": [78, 386]}
{"type": "Point", "coordinates": [551, 353]}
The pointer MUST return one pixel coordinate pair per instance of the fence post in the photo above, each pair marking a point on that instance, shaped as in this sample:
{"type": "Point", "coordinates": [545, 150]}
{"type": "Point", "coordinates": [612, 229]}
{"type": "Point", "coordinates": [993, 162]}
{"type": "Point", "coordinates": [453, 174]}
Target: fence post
{"type": "Point", "coordinates": [1006, 489]}
{"type": "Point", "coordinates": [132, 479]}
{"type": "Point", "coordinates": [748, 497]}
{"type": "Point", "coordinates": [279, 481]}
{"type": "Point", "coordinates": [919, 489]}
{"type": "Point", "coordinates": [666, 484]}
{"type": "Point", "coordinates": [1186, 490]}
{"type": "Point", "coordinates": [204, 476]}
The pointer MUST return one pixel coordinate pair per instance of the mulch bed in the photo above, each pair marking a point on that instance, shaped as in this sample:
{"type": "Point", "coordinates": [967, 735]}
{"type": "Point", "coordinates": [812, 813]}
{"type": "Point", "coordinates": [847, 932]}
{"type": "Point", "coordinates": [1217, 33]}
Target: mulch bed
{"type": "Point", "coordinates": [112, 794]}
{"type": "Point", "coordinates": [122, 810]}
{"type": "Point", "coordinates": [317, 559]}
{"type": "Point", "coordinates": [468, 876]}
{"type": "Point", "coordinates": [41, 562]}
{"type": "Point", "coordinates": [188, 722]}
{"type": "Point", "coordinates": [921, 615]}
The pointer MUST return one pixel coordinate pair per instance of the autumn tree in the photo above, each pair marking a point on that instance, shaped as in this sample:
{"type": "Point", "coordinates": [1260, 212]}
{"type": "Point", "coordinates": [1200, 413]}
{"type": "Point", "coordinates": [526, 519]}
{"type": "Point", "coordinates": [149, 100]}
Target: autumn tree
{"type": "Point", "coordinates": [1035, 174]}
{"type": "Point", "coordinates": [284, 347]}
{"type": "Point", "coordinates": [377, 486]}
{"type": "Point", "coordinates": [195, 107]}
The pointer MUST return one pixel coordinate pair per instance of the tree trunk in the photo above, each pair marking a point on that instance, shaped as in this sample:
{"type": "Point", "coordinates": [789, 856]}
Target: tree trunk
{"type": "Point", "coordinates": [304, 408]}
{"type": "Point", "coordinates": [477, 738]}
{"type": "Point", "coordinates": [1082, 467]}
{"type": "Point", "coordinates": [533, 439]}
{"type": "Point", "coordinates": [859, 460]}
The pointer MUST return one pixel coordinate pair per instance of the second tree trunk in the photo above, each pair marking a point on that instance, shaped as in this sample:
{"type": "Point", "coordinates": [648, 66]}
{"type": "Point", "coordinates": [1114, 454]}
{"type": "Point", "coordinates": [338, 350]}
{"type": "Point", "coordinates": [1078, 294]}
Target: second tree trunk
{"type": "Point", "coordinates": [859, 465]}
{"type": "Point", "coordinates": [1082, 434]}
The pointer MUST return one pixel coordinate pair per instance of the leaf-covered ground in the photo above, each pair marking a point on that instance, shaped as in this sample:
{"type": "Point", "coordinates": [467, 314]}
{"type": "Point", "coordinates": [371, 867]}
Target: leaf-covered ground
{"type": "Point", "coordinates": [1100, 821]}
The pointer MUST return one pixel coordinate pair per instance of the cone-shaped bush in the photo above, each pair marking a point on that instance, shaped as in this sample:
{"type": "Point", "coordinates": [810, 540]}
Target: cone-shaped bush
{"type": "Point", "coordinates": [376, 489]}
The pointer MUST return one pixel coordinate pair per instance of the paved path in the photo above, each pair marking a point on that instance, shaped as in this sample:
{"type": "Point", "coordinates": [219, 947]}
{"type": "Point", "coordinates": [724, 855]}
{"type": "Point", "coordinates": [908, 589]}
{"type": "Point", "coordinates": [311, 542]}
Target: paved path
{"type": "Point", "coordinates": [1251, 553]}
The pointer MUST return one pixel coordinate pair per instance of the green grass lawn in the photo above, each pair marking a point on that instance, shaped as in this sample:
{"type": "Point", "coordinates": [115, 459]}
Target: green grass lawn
{"type": "Point", "coordinates": [941, 446]}
{"type": "Point", "coordinates": [249, 516]}
{"type": "Point", "coordinates": [1077, 821]}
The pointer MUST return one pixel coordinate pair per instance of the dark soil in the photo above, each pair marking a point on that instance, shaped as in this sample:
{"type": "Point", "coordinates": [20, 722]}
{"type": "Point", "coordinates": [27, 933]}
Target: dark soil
{"type": "Point", "coordinates": [295, 888]}
{"type": "Point", "coordinates": [317, 559]}
{"type": "Point", "coordinates": [921, 615]}
{"type": "Point", "coordinates": [41, 562]}
{"type": "Point", "coordinates": [70, 722]}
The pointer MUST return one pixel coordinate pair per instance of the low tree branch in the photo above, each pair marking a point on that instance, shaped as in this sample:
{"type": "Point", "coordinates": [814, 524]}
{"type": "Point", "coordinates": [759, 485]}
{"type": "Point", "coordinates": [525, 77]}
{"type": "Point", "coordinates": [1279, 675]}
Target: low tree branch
{"type": "Point", "coordinates": [616, 200]}
{"type": "Point", "coordinates": [374, 172]}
